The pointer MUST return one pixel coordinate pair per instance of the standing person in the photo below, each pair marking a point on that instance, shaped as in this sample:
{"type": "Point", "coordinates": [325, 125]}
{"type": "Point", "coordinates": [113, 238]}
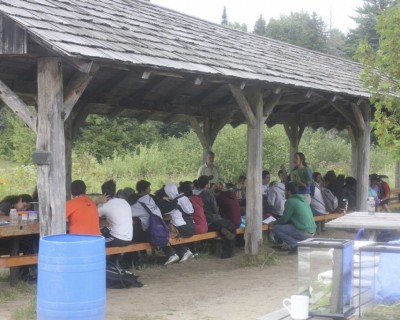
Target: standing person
{"type": "Point", "coordinates": [210, 169]}
{"type": "Point", "coordinates": [81, 211]}
{"type": "Point", "coordinates": [118, 215]}
{"type": "Point", "coordinates": [214, 220]}
{"type": "Point", "coordinates": [297, 223]}
{"type": "Point", "coordinates": [302, 175]}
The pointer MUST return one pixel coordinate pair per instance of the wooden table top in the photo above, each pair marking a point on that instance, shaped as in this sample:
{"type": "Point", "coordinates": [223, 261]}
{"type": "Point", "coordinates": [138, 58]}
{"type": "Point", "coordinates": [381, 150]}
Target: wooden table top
{"type": "Point", "coordinates": [377, 221]}
{"type": "Point", "coordinates": [20, 229]}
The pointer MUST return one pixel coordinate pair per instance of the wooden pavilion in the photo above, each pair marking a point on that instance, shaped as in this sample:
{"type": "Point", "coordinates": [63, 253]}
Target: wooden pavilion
{"type": "Point", "coordinates": [61, 60]}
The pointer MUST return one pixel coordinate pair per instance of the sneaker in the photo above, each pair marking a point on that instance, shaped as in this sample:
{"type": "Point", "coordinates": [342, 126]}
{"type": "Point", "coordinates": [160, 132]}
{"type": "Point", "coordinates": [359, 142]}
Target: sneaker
{"type": "Point", "coordinates": [188, 255]}
{"type": "Point", "coordinates": [172, 259]}
{"type": "Point", "coordinates": [228, 234]}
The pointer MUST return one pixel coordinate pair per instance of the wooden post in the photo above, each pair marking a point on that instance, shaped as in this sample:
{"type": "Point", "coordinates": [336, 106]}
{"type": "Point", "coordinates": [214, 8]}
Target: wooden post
{"type": "Point", "coordinates": [363, 132]}
{"type": "Point", "coordinates": [68, 156]}
{"type": "Point", "coordinates": [294, 133]}
{"type": "Point", "coordinates": [253, 234]}
{"type": "Point", "coordinates": [397, 175]}
{"type": "Point", "coordinates": [50, 139]}
{"type": "Point", "coordinates": [354, 152]}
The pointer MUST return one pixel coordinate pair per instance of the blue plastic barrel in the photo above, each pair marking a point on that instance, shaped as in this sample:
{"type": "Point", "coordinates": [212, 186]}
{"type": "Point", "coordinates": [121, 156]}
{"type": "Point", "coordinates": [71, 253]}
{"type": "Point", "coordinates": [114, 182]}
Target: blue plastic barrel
{"type": "Point", "coordinates": [71, 277]}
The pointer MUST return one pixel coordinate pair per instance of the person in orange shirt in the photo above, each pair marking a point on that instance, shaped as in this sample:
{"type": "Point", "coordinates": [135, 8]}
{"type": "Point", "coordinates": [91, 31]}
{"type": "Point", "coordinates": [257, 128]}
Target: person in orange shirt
{"type": "Point", "coordinates": [82, 213]}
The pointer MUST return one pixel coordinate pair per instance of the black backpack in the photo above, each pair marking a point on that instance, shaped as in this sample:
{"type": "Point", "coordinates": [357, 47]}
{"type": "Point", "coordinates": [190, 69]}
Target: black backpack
{"type": "Point", "coordinates": [118, 278]}
{"type": "Point", "coordinates": [158, 232]}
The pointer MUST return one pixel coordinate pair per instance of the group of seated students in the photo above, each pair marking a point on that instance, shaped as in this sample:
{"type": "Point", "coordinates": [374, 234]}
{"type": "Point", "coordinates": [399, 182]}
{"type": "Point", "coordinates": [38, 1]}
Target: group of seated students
{"type": "Point", "coordinates": [127, 215]}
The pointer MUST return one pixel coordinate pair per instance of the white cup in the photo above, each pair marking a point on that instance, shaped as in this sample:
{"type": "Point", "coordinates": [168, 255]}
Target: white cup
{"type": "Point", "coordinates": [297, 306]}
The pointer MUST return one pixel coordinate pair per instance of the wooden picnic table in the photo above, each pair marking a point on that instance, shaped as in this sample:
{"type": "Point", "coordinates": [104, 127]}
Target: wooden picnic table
{"type": "Point", "coordinates": [371, 222]}
{"type": "Point", "coordinates": [13, 233]}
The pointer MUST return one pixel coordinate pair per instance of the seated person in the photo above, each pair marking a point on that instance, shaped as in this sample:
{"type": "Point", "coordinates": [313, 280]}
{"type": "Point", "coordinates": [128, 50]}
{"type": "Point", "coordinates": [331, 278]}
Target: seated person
{"type": "Point", "coordinates": [180, 209]}
{"type": "Point", "coordinates": [200, 222]}
{"type": "Point", "coordinates": [81, 211]}
{"type": "Point", "coordinates": [350, 193]}
{"type": "Point", "coordinates": [141, 227]}
{"type": "Point", "coordinates": [297, 222]}
{"type": "Point", "coordinates": [241, 190]}
{"type": "Point", "coordinates": [317, 201]}
{"type": "Point", "coordinates": [214, 220]}
{"type": "Point", "coordinates": [228, 204]}
{"type": "Point", "coordinates": [266, 209]}
{"type": "Point", "coordinates": [118, 215]}
{"type": "Point", "coordinates": [21, 202]}
{"type": "Point", "coordinates": [336, 188]}
{"type": "Point", "coordinates": [276, 198]}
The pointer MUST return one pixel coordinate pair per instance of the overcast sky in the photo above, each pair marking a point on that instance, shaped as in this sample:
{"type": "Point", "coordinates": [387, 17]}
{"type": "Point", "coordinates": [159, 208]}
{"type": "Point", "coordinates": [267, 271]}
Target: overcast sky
{"type": "Point", "coordinates": [248, 11]}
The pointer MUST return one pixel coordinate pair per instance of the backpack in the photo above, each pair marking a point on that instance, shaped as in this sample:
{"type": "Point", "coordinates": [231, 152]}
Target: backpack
{"type": "Point", "coordinates": [118, 278]}
{"type": "Point", "coordinates": [331, 202]}
{"type": "Point", "coordinates": [158, 232]}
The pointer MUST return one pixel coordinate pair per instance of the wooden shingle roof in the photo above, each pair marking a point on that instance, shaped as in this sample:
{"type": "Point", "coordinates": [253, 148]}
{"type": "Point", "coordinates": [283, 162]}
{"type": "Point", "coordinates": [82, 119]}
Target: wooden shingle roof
{"type": "Point", "coordinates": [129, 38]}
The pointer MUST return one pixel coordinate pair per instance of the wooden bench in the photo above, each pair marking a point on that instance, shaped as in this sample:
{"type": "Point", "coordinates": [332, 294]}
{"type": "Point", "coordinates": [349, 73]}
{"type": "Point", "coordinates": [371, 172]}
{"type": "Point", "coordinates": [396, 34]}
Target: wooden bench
{"type": "Point", "coordinates": [24, 260]}
{"type": "Point", "coordinates": [325, 217]}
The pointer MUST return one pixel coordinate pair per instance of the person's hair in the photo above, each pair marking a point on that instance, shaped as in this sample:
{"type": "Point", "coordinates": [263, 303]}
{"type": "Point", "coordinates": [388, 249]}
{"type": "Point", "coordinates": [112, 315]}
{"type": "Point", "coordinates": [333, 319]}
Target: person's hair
{"type": "Point", "coordinates": [25, 197]}
{"type": "Point", "coordinates": [196, 183]}
{"type": "Point", "coordinates": [265, 173]}
{"type": "Point", "coordinates": [160, 193]}
{"type": "Point", "coordinates": [12, 199]}
{"type": "Point", "coordinates": [78, 187]}
{"type": "Point", "coordinates": [330, 176]}
{"type": "Point", "coordinates": [302, 158]}
{"type": "Point", "coordinates": [340, 179]}
{"type": "Point", "coordinates": [316, 174]}
{"type": "Point", "coordinates": [109, 188]}
{"type": "Point", "coordinates": [219, 187]}
{"type": "Point", "coordinates": [350, 182]}
{"type": "Point", "coordinates": [203, 181]}
{"type": "Point", "coordinates": [142, 185]}
{"type": "Point", "coordinates": [292, 187]}
{"type": "Point", "coordinates": [186, 188]}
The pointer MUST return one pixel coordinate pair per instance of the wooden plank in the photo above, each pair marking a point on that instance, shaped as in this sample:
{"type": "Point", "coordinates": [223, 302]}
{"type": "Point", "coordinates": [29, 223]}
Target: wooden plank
{"type": "Point", "coordinates": [19, 229]}
{"type": "Point", "coordinates": [327, 217]}
{"type": "Point", "coordinates": [13, 39]}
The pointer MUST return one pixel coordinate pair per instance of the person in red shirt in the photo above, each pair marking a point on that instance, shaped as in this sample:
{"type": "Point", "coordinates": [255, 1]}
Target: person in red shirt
{"type": "Point", "coordinates": [82, 213]}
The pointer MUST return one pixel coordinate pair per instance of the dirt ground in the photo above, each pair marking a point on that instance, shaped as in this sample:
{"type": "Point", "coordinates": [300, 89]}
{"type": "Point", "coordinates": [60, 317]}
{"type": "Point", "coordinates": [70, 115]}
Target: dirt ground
{"type": "Point", "coordinates": [207, 288]}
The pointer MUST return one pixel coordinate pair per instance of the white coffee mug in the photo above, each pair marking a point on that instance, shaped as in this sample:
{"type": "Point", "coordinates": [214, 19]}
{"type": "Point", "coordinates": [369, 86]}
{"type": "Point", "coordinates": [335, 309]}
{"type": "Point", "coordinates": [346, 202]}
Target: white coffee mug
{"type": "Point", "coordinates": [297, 306]}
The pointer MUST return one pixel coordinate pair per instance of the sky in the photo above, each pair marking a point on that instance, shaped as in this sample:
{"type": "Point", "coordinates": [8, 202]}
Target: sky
{"type": "Point", "coordinates": [248, 11]}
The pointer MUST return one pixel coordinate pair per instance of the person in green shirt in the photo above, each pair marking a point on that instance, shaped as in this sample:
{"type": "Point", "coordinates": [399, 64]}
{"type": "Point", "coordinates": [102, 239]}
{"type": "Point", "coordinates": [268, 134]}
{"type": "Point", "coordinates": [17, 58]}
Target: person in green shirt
{"type": "Point", "coordinates": [297, 222]}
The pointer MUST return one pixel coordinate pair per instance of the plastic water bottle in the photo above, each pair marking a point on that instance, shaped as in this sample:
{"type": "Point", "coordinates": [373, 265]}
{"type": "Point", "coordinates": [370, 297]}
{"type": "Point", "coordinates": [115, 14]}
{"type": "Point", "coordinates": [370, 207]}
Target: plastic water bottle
{"type": "Point", "coordinates": [371, 205]}
{"type": "Point", "coordinates": [13, 216]}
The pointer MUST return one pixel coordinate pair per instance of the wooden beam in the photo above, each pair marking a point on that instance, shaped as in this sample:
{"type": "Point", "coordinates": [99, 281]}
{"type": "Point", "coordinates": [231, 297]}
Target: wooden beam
{"type": "Point", "coordinates": [18, 106]}
{"type": "Point", "coordinates": [51, 139]}
{"type": "Point", "coordinates": [81, 65]}
{"type": "Point", "coordinates": [199, 132]}
{"type": "Point", "coordinates": [115, 112]}
{"type": "Point", "coordinates": [273, 100]}
{"type": "Point", "coordinates": [343, 110]}
{"type": "Point", "coordinates": [243, 105]}
{"type": "Point", "coordinates": [220, 123]}
{"type": "Point", "coordinates": [359, 119]}
{"type": "Point", "coordinates": [76, 87]}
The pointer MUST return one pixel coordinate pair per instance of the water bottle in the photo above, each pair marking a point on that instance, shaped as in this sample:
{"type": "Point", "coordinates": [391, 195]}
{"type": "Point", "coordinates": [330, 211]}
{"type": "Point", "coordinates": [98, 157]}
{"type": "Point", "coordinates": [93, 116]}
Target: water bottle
{"type": "Point", "coordinates": [371, 205]}
{"type": "Point", "coordinates": [13, 216]}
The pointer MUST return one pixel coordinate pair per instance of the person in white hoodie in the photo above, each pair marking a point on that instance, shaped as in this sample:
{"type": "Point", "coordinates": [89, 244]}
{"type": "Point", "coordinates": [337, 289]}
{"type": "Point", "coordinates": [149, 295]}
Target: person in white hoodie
{"type": "Point", "coordinates": [276, 198]}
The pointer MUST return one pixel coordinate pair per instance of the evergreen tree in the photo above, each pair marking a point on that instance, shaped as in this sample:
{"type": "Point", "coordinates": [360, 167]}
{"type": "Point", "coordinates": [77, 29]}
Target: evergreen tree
{"type": "Point", "coordinates": [366, 25]}
{"type": "Point", "coordinates": [260, 26]}
{"type": "Point", "coordinates": [224, 21]}
{"type": "Point", "coordinates": [300, 29]}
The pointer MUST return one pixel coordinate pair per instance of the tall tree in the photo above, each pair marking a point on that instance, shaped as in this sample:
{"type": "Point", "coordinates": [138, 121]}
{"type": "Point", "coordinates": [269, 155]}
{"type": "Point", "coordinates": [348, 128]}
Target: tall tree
{"type": "Point", "coordinates": [224, 21]}
{"type": "Point", "coordinates": [299, 28]}
{"type": "Point", "coordinates": [366, 25]}
{"type": "Point", "coordinates": [336, 43]}
{"type": "Point", "coordinates": [382, 76]}
{"type": "Point", "coordinates": [260, 26]}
